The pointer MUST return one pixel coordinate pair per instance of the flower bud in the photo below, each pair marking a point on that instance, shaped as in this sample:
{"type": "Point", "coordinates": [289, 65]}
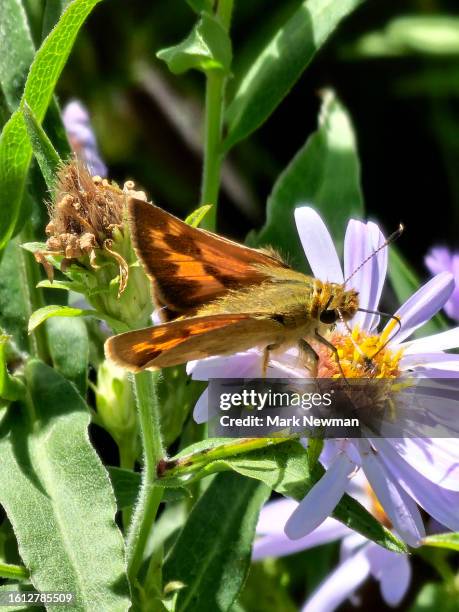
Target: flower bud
{"type": "Point", "coordinates": [116, 410]}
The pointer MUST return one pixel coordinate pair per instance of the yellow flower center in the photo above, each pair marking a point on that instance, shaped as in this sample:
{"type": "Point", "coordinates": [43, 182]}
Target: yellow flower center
{"type": "Point", "coordinates": [361, 355]}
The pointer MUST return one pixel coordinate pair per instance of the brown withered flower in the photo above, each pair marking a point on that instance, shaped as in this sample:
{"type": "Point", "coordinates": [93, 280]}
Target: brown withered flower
{"type": "Point", "coordinates": [85, 214]}
{"type": "Point", "coordinates": [88, 239]}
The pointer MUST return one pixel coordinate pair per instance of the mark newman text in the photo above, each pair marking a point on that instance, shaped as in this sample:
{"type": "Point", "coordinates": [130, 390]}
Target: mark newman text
{"type": "Point", "coordinates": [293, 421]}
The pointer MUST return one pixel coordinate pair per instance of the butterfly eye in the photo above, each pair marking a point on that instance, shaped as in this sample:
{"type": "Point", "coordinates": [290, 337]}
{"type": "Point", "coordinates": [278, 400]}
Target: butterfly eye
{"type": "Point", "coordinates": [329, 316]}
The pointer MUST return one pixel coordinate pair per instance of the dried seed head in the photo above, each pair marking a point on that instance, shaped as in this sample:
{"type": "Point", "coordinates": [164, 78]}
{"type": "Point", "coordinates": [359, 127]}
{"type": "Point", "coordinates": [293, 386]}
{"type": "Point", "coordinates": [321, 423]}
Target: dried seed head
{"type": "Point", "coordinates": [88, 240]}
{"type": "Point", "coordinates": [85, 212]}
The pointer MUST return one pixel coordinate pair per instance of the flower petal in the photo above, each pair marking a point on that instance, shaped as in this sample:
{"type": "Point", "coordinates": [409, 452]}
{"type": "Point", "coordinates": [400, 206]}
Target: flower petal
{"type": "Point", "coordinates": [401, 510]}
{"type": "Point", "coordinates": [274, 515]}
{"type": "Point", "coordinates": [279, 545]}
{"type": "Point", "coordinates": [321, 499]}
{"type": "Point", "coordinates": [201, 408]}
{"type": "Point", "coordinates": [439, 260]}
{"type": "Point", "coordinates": [392, 570]}
{"type": "Point", "coordinates": [423, 305]}
{"type": "Point", "coordinates": [229, 366]}
{"type": "Point", "coordinates": [442, 504]}
{"type": "Point", "coordinates": [361, 241]}
{"type": "Point", "coordinates": [442, 361]}
{"type": "Point", "coordinates": [436, 342]}
{"type": "Point", "coordinates": [318, 245]}
{"type": "Point", "coordinates": [437, 459]}
{"type": "Point", "coordinates": [340, 584]}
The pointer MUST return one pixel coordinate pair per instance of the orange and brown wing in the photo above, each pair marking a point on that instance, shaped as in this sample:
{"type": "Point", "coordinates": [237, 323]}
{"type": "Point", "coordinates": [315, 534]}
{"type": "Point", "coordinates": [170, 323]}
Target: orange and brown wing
{"type": "Point", "coordinates": [190, 266]}
{"type": "Point", "coordinates": [184, 340]}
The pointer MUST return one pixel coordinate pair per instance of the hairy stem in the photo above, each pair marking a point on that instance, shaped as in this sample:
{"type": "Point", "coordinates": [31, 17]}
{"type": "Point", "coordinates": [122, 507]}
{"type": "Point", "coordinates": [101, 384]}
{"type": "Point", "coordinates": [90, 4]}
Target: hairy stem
{"type": "Point", "coordinates": [150, 495]}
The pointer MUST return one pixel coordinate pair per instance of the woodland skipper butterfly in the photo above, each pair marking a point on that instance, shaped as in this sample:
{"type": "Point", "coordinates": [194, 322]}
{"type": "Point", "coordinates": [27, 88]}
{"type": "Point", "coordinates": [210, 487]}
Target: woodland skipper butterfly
{"type": "Point", "coordinates": [220, 297]}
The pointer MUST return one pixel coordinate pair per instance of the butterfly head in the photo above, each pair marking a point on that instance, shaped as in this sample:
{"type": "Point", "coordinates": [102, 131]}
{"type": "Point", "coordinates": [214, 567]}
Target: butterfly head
{"type": "Point", "coordinates": [339, 304]}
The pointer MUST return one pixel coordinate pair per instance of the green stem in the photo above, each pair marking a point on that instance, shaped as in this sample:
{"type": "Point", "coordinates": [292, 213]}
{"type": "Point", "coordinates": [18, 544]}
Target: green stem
{"type": "Point", "coordinates": [150, 495]}
{"type": "Point", "coordinates": [188, 464]}
{"type": "Point", "coordinates": [13, 572]}
{"type": "Point", "coordinates": [213, 123]}
{"type": "Point", "coordinates": [33, 296]}
{"type": "Point", "coordinates": [127, 452]}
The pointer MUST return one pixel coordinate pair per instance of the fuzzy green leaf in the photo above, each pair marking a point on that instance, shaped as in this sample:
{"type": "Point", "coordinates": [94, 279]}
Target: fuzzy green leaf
{"type": "Point", "coordinates": [69, 348]}
{"type": "Point", "coordinates": [17, 51]}
{"type": "Point", "coordinates": [58, 496]}
{"type": "Point", "coordinates": [325, 173]}
{"type": "Point", "coordinates": [280, 64]}
{"type": "Point", "coordinates": [45, 154]}
{"type": "Point", "coordinates": [223, 521]}
{"type": "Point", "coordinates": [14, 299]}
{"type": "Point", "coordinates": [15, 148]}
{"type": "Point", "coordinates": [207, 47]}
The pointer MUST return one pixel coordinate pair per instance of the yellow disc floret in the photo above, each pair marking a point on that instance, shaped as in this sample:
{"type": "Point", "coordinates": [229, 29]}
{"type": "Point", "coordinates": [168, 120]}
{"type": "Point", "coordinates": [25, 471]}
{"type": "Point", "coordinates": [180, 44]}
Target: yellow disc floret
{"type": "Point", "coordinates": [360, 354]}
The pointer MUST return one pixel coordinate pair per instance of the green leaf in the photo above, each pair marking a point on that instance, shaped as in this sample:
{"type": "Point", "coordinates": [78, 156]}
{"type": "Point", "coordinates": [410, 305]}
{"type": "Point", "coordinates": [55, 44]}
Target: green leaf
{"type": "Point", "coordinates": [195, 218]}
{"type": "Point", "coordinates": [281, 63]}
{"type": "Point", "coordinates": [443, 540]}
{"type": "Point", "coordinates": [126, 486]}
{"type": "Point", "coordinates": [325, 173]}
{"type": "Point", "coordinates": [13, 572]}
{"type": "Point", "coordinates": [17, 51]}
{"type": "Point", "coordinates": [405, 282]}
{"type": "Point", "coordinates": [177, 395]}
{"type": "Point", "coordinates": [223, 522]}
{"type": "Point", "coordinates": [431, 35]}
{"type": "Point", "coordinates": [434, 597]}
{"type": "Point", "coordinates": [11, 388]}
{"type": "Point", "coordinates": [285, 468]}
{"type": "Point", "coordinates": [58, 496]}
{"type": "Point", "coordinates": [14, 298]}
{"type": "Point", "coordinates": [266, 591]}
{"type": "Point", "coordinates": [207, 47]}
{"type": "Point", "coordinates": [15, 148]}
{"type": "Point", "coordinates": [69, 348]}
{"type": "Point", "coordinates": [45, 154]}
{"type": "Point", "coordinates": [199, 6]}
{"type": "Point", "coordinates": [42, 314]}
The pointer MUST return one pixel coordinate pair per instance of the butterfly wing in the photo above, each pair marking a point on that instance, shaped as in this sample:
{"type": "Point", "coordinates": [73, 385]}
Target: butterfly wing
{"type": "Point", "coordinates": [190, 266]}
{"type": "Point", "coordinates": [191, 338]}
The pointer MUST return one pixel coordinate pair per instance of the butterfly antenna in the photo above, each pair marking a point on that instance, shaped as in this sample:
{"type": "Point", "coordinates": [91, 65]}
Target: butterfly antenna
{"type": "Point", "coordinates": [388, 241]}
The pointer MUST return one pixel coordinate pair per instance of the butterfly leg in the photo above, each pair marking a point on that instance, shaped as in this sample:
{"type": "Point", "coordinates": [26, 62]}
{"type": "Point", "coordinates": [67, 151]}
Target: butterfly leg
{"type": "Point", "coordinates": [265, 363]}
{"type": "Point", "coordinates": [334, 350]}
{"type": "Point", "coordinates": [306, 352]}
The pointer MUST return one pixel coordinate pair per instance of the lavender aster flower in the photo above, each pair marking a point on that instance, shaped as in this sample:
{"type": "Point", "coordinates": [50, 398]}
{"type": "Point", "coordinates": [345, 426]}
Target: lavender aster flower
{"type": "Point", "coordinates": [441, 259]}
{"type": "Point", "coordinates": [359, 557]}
{"type": "Point", "coordinates": [77, 124]}
{"type": "Point", "coordinates": [404, 473]}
